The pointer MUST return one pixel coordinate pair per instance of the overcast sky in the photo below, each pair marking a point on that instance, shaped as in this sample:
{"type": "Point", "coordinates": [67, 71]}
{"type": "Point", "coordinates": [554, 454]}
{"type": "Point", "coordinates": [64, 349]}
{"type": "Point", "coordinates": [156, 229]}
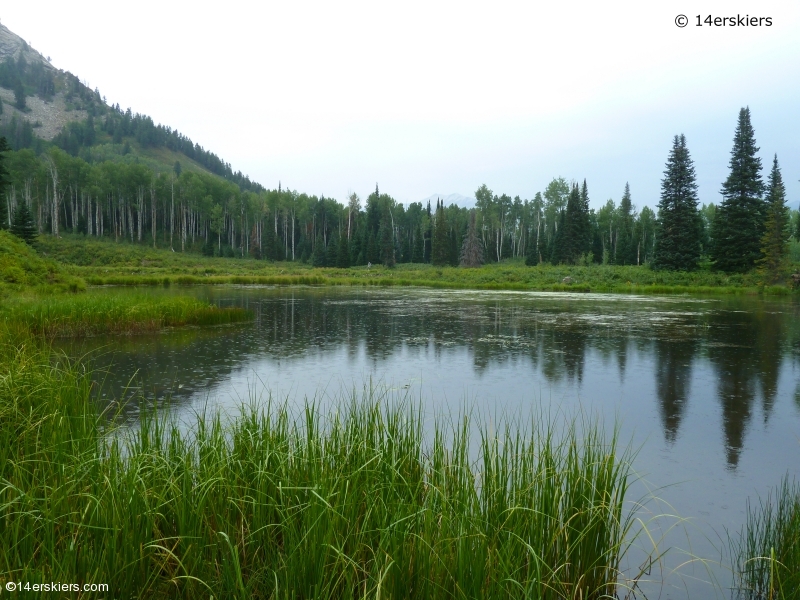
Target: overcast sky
{"type": "Point", "coordinates": [440, 97]}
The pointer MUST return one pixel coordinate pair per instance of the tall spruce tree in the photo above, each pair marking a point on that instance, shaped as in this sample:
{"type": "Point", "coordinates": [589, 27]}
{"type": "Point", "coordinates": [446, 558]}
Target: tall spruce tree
{"type": "Point", "coordinates": [623, 242]}
{"type": "Point", "coordinates": [5, 179]}
{"type": "Point", "coordinates": [343, 255]}
{"type": "Point", "coordinates": [22, 225]}
{"type": "Point", "coordinates": [585, 221]}
{"type": "Point", "coordinates": [386, 238]}
{"type": "Point", "coordinates": [775, 241]}
{"type": "Point", "coordinates": [440, 254]}
{"type": "Point", "coordinates": [573, 236]}
{"type": "Point", "coordinates": [319, 256]}
{"type": "Point", "coordinates": [679, 225]}
{"type": "Point", "coordinates": [739, 221]}
{"type": "Point", "coordinates": [418, 251]}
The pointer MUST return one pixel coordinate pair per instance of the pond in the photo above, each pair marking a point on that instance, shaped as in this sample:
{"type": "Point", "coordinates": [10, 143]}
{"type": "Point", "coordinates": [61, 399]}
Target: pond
{"type": "Point", "coordinates": [705, 388]}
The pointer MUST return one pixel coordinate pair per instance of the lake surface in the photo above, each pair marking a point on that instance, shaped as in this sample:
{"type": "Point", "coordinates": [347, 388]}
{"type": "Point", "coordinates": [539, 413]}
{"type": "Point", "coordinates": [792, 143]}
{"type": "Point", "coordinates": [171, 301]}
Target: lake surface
{"type": "Point", "coordinates": [706, 388]}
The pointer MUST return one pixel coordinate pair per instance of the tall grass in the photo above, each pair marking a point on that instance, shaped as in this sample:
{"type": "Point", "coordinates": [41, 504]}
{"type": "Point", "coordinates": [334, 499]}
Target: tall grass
{"type": "Point", "coordinates": [767, 552]}
{"type": "Point", "coordinates": [269, 505]}
{"type": "Point", "coordinates": [94, 314]}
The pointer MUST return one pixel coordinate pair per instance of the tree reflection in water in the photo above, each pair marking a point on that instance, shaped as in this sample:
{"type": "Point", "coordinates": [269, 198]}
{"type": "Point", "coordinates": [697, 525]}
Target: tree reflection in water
{"type": "Point", "coordinates": [744, 340]}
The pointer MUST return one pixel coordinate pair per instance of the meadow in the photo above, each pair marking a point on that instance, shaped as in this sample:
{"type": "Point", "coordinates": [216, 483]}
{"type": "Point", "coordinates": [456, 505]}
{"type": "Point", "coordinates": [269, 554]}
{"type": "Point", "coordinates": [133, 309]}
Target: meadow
{"type": "Point", "coordinates": [100, 262]}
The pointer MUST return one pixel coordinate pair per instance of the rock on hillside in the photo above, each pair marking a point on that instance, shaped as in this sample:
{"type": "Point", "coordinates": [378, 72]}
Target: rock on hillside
{"type": "Point", "coordinates": [47, 116]}
{"type": "Point", "coordinates": [12, 45]}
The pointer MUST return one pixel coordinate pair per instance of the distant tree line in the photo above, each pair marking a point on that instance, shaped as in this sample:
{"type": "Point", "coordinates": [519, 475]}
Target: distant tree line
{"type": "Point", "coordinates": [195, 211]}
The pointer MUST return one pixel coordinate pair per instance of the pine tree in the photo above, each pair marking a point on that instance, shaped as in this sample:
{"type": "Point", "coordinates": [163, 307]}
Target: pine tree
{"type": "Point", "coordinates": [739, 222]}
{"type": "Point", "coordinates": [775, 241]}
{"type": "Point", "coordinates": [471, 250]}
{"type": "Point", "coordinates": [624, 247]}
{"type": "Point", "coordinates": [343, 255]}
{"type": "Point", "coordinates": [587, 237]}
{"type": "Point", "coordinates": [332, 255]}
{"type": "Point", "coordinates": [23, 226]}
{"type": "Point", "coordinates": [5, 179]}
{"type": "Point", "coordinates": [319, 255]}
{"type": "Point", "coordinates": [679, 226]}
{"type": "Point", "coordinates": [386, 239]}
{"type": "Point", "coordinates": [572, 241]}
{"type": "Point", "coordinates": [19, 95]}
{"type": "Point", "coordinates": [439, 250]}
{"type": "Point", "coordinates": [418, 250]}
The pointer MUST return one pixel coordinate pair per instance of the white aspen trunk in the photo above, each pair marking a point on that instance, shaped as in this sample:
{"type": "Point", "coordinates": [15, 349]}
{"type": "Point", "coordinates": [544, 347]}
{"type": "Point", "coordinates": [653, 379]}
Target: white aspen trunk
{"type": "Point", "coordinates": [54, 176]}
{"type": "Point", "coordinates": [153, 212]}
{"type": "Point", "coordinates": [172, 215]}
{"type": "Point", "coordinates": [140, 212]}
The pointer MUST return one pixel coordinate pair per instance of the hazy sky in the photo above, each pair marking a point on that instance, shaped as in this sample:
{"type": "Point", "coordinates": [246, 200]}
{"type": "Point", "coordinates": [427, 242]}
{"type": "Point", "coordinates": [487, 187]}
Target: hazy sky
{"type": "Point", "coordinates": [440, 97]}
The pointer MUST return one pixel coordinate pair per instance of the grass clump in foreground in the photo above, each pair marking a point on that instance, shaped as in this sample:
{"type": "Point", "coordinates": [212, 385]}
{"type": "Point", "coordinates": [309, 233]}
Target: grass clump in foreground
{"type": "Point", "coordinates": [96, 314]}
{"type": "Point", "coordinates": [272, 506]}
{"type": "Point", "coordinates": [767, 553]}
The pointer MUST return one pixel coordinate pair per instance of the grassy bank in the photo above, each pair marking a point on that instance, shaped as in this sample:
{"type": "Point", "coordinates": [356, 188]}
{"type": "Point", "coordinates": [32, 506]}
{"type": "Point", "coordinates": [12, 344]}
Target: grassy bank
{"type": "Point", "coordinates": [767, 552]}
{"type": "Point", "coordinates": [272, 506]}
{"type": "Point", "coordinates": [24, 271]}
{"type": "Point", "coordinates": [124, 313]}
{"type": "Point", "coordinates": [109, 263]}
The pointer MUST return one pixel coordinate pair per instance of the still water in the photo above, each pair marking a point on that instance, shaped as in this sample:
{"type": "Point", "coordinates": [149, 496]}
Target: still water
{"type": "Point", "coordinates": [706, 389]}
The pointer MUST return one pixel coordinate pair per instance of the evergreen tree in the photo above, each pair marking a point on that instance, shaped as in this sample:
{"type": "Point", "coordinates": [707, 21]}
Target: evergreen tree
{"type": "Point", "coordinates": [208, 247]}
{"type": "Point", "coordinates": [471, 250]}
{"type": "Point", "coordinates": [418, 251]}
{"type": "Point", "coordinates": [775, 241]}
{"type": "Point", "coordinates": [439, 249]}
{"type": "Point", "coordinates": [573, 241]}
{"type": "Point", "coordinates": [624, 246]}
{"type": "Point", "coordinates": [332, 255]}
{"type": "Point", "coordinates": [679, 226]}
{"type": "Point", "coordinates": [22, 226]}
{"type": "Point", "coordinates": [386, 236]}
{"type": "Point", "coordinates": [19, 95]}
{"type": "Point", "coordinates": [343, 255]}
{"type": "Point", "coordinates": [531, 252]}
{"type": "Point", "coordinates": [318, 256]}
{"type": "Point", "coordinates": [5, 179]}
{"type": "Point", "coordinates": [587, 233]}
{"type": "Point", "coordinates": [739, 220]}
{"type": "Point", "coordinates": [426, 236]}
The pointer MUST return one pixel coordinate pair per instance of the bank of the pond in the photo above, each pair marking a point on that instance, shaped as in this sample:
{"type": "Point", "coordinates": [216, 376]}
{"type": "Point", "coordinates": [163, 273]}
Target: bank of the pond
{"type": "Point", "coordinates": [272, 505]}
{"type": "Point", "coordinates": [109, 263]}
{"type": "Point", "coordinates": [79, 315]}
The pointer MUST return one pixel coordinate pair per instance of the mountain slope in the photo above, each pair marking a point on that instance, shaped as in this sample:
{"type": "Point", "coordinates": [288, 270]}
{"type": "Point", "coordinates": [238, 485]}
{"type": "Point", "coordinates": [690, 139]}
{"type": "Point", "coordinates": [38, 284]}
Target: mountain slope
{"type": "Point", "coordinates": [42, 104]}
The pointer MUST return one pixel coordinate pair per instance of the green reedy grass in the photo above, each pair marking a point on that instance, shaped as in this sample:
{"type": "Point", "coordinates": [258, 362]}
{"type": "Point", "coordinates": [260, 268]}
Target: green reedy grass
{"type": "Point", "coordinates": [268, 505]}
{"type": "Point", "coordinates": [95, 314]}
{"type": "Point", "coordinates": [767, 551]}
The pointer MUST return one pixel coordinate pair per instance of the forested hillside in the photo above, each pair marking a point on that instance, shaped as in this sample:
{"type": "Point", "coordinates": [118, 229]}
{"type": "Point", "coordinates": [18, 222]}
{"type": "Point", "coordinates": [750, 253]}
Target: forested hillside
{"type": "Point", "coordinates": [115, 174]}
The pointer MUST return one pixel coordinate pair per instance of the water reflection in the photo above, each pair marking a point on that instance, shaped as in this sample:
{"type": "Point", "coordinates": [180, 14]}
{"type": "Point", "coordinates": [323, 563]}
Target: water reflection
{"type": "Point", "coordinates": [740, 343]}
